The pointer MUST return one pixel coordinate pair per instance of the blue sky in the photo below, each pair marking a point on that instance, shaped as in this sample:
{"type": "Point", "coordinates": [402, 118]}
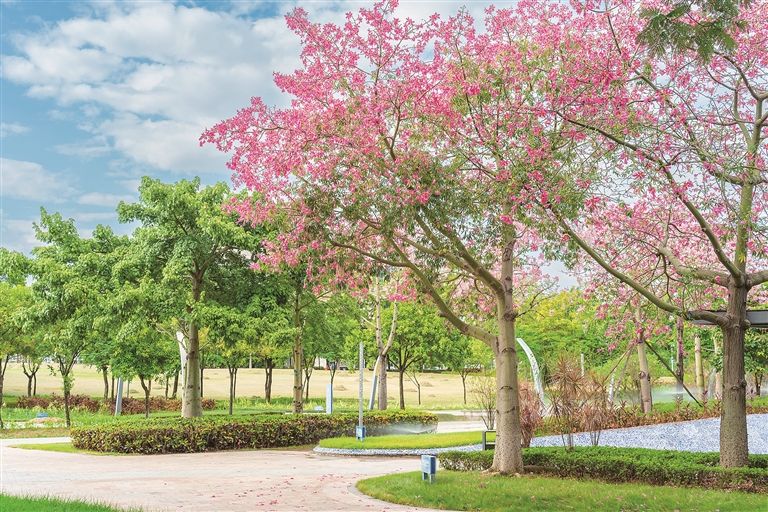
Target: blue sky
{"type": "Point", "coordinates": [97, 94]}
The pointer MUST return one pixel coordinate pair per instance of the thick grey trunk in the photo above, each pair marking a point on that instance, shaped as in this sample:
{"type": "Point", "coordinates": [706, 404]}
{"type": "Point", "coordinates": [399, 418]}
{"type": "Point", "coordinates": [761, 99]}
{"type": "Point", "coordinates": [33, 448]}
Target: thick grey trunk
{"type": "Point", "coordinates": [191, 401]}
{"type": "Point", "coordinates": [508, 455]}
{"type": "Point", "coordinates": [733, 416]}
{"type": "Point", "coordinates": [191, 405]}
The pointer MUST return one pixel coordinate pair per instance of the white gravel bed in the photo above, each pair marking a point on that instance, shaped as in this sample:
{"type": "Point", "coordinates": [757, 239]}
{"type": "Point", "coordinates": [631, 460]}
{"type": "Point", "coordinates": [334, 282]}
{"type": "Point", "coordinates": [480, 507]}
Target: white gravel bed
{"type": "Point", "coordinates": [390, 452]}
{"type": "Point", "coordinates": [693, 436]}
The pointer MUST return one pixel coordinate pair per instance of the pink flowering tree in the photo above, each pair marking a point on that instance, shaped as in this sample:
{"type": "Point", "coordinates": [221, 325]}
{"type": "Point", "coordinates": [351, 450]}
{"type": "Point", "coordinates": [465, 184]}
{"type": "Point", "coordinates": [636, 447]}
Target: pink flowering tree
{"type": "Point", "coordinates": [360, 169]}
{"type": "Point", "coordinates": [615, 129]}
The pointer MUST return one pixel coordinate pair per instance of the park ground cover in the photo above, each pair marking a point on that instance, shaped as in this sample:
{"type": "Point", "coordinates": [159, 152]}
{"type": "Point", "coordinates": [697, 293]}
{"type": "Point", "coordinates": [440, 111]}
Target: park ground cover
{"type": "Point", "coordinates": [416, 441]}
{"type": "Point", "coordinates": [28, 504]}
{"type": "Point", "coordinates": [484, 492]}
{"type": "Point", "coordinates": [66, 447]}
{"type": "Point", "coordinates": [627, 465]}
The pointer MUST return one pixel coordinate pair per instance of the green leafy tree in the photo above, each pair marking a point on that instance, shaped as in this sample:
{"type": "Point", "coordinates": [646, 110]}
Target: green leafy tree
{"type": "Point", "coordinates": [33, 351]}
{"type": "Point", "coordinates": [702, 25]}
{"type": "Point", "coordinates": [14, 299]}
{"type": "Point", "coordinates": [465, 356]}
{"type": "Point", "coordinates": [141, 351]}
{"type": "Point", "coordinates": [420, 334]}
{"type": "Point", "coordinates": [71, 278]}
{"type": "Point", "coordinates": [185, 235]}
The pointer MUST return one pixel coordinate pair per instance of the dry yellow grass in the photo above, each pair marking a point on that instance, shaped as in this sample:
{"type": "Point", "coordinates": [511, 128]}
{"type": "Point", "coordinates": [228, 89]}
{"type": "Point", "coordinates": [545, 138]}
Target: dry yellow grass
{"type": "Point", "coordinates": [437, 389]}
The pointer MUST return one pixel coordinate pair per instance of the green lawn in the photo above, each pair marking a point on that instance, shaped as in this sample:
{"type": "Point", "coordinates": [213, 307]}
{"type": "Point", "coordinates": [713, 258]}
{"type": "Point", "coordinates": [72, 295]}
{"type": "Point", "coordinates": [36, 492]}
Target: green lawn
{"type": "Point", "coordinates": [412, 441]}
{"type": "Point", "coordinates": [59, 447]}
{"type": "Point", "coordinates": [26, 504]}
{"type": "Point", "coordinates": [485, 493]}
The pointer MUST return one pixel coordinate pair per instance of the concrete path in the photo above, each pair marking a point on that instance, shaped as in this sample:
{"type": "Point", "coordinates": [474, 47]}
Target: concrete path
{"type": "Point", "coordinates": [693, 436]}
{"type": "Point", "coordinates": [219, 481]}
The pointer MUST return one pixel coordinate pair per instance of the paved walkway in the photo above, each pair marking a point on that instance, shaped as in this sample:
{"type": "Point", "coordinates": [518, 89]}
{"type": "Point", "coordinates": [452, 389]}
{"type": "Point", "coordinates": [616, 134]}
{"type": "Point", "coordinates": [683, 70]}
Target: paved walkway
{"type": "Point", "coordinates": [693, 436]}
{"type": "Point", "coordinates": [220, 481]}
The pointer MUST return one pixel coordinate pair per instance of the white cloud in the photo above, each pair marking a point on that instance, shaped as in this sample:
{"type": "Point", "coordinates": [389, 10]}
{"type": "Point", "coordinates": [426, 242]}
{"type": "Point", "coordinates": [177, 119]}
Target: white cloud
{"type": "Point", "coordinates": [102, 199]}
{"type": "Point", "coordinates": [158, 74]}
{"type": "Point", "coordinates": [7, 129]}
{"type": "Point", "coordinates": [90, 217]}
{"type": "Point", "coordinates": [30, 181]}
{"type": "Point", "coordinates": [17, 234]}
{"type": "Point", "coordinates": [92, 148]}
{"type": "Point", "coordinates": [165, 144]}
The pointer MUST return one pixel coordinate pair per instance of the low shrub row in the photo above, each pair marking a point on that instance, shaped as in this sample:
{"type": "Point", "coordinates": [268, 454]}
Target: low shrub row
{"type": "Point", "coordinates": [659, 467]}
{"type": "Point", "coordinates": [87, 403]}
{"type": "Point", "coordinates": [157, 404]}
{"type": "Point", "coordinates": [179, 435]}
{"type": "Point", "coordinates": [76, 402]}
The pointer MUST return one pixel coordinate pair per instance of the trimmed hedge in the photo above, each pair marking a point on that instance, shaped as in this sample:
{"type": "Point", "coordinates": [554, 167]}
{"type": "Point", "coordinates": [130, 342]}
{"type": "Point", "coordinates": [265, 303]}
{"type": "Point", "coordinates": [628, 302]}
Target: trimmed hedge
{"type": "Point", "coordinates": [180, 435]}
{"type": "Point", "coordinates": [659, 467]}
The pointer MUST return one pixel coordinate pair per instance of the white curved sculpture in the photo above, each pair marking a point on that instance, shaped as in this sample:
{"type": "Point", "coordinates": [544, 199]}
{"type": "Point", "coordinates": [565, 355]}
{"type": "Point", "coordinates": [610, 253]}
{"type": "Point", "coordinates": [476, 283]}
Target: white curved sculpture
{"type": "Point", "coordinates": [534, 369]}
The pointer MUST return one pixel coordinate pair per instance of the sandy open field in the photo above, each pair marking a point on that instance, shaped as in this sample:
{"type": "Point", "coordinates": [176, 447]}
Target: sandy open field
{"type": "Point", "coordinates": [437, 389]}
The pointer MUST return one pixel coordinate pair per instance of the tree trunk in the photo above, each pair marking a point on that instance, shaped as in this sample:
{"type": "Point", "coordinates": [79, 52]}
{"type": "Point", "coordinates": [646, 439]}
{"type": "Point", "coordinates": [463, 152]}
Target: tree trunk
{"type": "Point", "coordinates": [402, 390]}
{"type": "Point", "coordinates": [646, 397]}
{"type": "Point", "coordinates": [733, 416]}
{"type": "Point", "coordinates": [175, 385]}
{"type": "Point", "coordinates": [698, 366]}
{"type": "Point", "coordinates": [29, 384]}
{"type": "Point", "coordinates": [192, 394]}
{"type": "Point", "coordinates": [298, 355]}
{"type": "Point", "coordinates": [680, 363]}
{"type": "Point", "coordinates": [718, 375]}
{"type": "Point", "coordinates": [307, 375]}
{"type": "Point", "coordinates": [112, 388]}
{"type": "Point", "coordinates": [147, 388]}
{"type": "Point", "coordinates": [3, 367]}
{"type": "Point", "coordinates": [167, 386]}
{"type": "Point", "coordinates": [192, 403]}
{"type": "Point", "coordinates": [269, 365]}
{"type": "Point", "coordinates": [464, 386]}
{"type": "Point", "coordinates": [508, 454]}
{"type": "Point", "coordinates": [67, 389]}
{"type": "Point", "coordinates": [232, 376]}
{"type": "Point", "coordinates": [104, 374]}
{"type": "Point", "coordinates": [382, 390]}
{"type": "Point", "coordinates": [418, 391]}
{"type": "Point", "coordinates": [34, 386]}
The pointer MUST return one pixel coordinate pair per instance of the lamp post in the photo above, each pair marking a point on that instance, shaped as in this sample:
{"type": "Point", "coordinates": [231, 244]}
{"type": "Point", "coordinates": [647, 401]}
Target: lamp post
{"type": "Point", "coordinates": [360, 430]}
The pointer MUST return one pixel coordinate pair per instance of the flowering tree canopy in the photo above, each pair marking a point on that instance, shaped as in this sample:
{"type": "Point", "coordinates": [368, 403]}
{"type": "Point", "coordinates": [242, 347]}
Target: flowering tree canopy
{"type": "Point", "coordinates": [359, 166]}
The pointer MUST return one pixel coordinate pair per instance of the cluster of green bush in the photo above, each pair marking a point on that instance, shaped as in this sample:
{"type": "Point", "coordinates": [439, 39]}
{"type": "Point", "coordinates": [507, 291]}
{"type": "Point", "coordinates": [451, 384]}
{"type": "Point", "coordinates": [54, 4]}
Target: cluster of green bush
{"type": "Point", "coordinates": [76, 402]}
{"type": "Point", "coordinates": [212, 433]}
{"type": "Point", "coordinates": [157, 404]}
{"type": "Point", "coordinates": [659, 467]}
